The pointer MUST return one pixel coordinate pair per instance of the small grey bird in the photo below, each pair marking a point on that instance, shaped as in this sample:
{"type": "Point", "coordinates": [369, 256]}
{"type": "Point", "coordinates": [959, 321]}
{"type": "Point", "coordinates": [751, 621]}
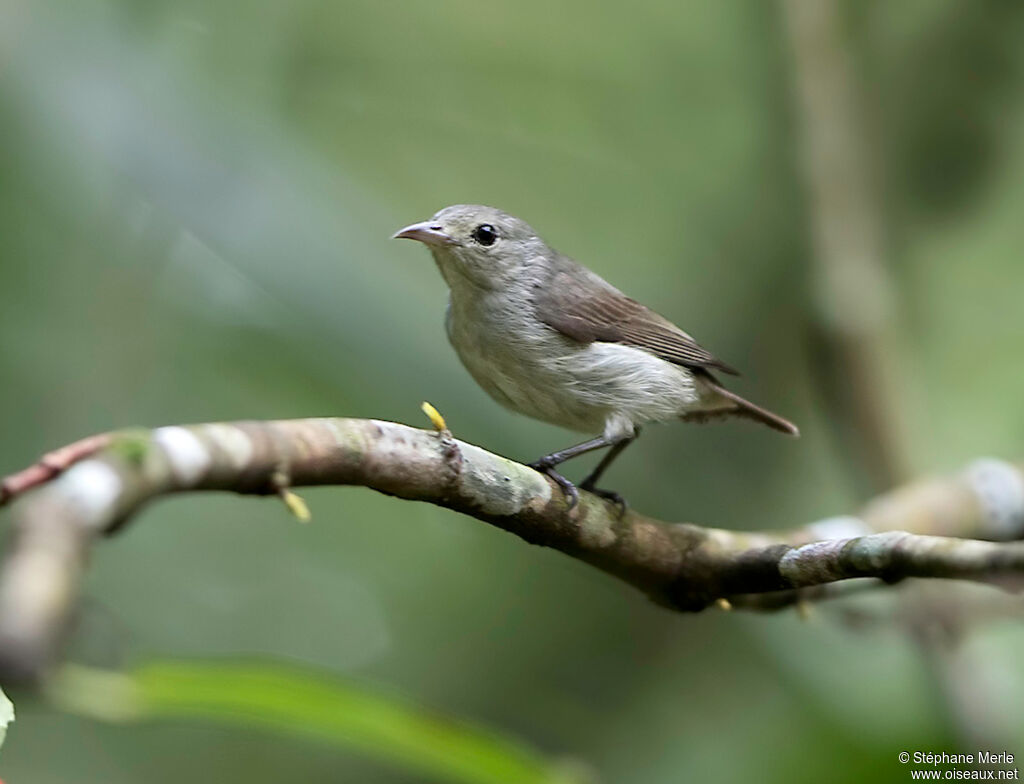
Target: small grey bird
{"type": "Point", "coordinates": [546, 337]}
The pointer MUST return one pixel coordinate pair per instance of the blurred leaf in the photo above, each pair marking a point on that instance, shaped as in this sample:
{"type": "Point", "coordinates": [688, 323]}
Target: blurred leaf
{"type": "Point", "coordinates": [300, 702]}
{"type": "Point", "coordinates": [6, 715]}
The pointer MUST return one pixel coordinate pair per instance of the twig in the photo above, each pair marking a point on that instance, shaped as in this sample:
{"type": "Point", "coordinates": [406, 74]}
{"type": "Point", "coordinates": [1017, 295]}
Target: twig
{"type": "Point", "coordinates": [49, 465]}
{"type": "Point", "coordinates": [679, 565]}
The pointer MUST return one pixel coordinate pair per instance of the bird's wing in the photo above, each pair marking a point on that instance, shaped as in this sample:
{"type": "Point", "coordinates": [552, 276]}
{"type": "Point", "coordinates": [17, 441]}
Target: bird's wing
{"type": "Point", "coordinates": [584, 307]}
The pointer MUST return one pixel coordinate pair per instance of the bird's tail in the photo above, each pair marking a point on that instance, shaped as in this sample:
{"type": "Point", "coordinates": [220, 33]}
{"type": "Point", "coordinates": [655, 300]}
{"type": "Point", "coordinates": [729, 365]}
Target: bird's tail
{"type": "Point", "coordinates": [743, 407]}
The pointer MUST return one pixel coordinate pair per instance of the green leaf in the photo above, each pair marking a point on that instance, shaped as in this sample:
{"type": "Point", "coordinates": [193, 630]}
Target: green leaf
{"type": "Point", "coordinates": [299, 702]}
{"type": "Point", "coordinates": [6, 715]}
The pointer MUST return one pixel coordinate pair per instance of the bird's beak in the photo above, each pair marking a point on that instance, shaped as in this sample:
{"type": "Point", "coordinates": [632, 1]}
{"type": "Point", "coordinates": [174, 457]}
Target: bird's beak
{"type": "Point", "coordinates": [427, 232]}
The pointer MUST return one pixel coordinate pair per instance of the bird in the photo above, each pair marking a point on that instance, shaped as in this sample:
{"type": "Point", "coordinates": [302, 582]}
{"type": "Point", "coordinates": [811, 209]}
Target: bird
{"type": "Point", "coordinates": [547, 337]}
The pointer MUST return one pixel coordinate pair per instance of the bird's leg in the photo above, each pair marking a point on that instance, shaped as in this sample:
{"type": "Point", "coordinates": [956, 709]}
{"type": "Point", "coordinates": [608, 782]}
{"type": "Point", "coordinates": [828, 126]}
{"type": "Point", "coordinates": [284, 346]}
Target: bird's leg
{"type": "Point", "coordinates": [546, 465]}
{"type": "Point", "coordinates": [614, 452]}
{"type": "Point", "coordinates": [591, 480]}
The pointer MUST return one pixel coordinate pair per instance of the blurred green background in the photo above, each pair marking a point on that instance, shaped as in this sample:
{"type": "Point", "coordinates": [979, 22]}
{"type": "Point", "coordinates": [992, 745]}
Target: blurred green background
{"type": "Point", "coordinates": [195, 205]}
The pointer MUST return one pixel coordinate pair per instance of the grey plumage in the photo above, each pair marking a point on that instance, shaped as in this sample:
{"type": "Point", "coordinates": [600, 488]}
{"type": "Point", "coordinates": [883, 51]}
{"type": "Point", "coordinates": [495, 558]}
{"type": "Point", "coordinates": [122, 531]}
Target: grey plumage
{"type": "Point", "coordinates": [547, 337]}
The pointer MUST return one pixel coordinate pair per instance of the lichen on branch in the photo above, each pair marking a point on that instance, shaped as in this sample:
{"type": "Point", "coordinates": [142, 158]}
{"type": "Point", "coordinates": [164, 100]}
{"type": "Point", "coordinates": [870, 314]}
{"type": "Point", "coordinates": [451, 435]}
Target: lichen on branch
{"type": "Point", "coordinates": [59, 512]}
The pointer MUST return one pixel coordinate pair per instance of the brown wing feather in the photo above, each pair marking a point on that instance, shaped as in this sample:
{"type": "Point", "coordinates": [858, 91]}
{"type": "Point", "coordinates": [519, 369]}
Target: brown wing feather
{"type": "Point", "coordinates": [584, 307]}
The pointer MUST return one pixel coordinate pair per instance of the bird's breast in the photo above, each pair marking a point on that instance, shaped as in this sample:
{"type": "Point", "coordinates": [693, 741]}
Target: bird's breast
{"type": "Point", "coordinates": [496, 339]}
{"type": "Point", "coordinates": [515, 359]}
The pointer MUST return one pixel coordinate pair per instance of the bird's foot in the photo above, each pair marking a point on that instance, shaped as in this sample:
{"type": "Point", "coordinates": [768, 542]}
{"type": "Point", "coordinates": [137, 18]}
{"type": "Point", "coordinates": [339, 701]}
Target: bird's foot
{"type": "Point", "coordinates": [572, 495]}
{"type": "Point", "coordinates": [608, 495]}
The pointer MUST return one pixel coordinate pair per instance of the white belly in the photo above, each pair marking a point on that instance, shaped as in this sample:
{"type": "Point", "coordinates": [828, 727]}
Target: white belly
{"type": "Point", "coordinates": [591, 388]}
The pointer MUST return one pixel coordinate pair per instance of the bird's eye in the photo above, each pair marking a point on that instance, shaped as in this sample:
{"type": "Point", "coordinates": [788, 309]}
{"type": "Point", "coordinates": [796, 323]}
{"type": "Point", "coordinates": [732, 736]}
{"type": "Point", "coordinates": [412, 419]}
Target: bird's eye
{"type": "Point", "coordinates": [485, 234]}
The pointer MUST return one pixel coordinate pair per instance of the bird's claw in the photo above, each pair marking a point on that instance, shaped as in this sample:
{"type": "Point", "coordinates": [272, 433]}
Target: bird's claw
{"type": "Point", "coordinates": [572, 495]}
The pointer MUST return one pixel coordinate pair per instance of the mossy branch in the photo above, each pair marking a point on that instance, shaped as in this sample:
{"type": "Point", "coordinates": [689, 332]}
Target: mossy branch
{"type": "Point", "coordinates": [60, 513]}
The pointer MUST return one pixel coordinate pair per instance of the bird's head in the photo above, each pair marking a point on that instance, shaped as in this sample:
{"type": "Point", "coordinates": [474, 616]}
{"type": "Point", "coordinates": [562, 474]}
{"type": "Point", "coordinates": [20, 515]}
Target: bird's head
{"type": "Point", "coordinates": [482, 245]}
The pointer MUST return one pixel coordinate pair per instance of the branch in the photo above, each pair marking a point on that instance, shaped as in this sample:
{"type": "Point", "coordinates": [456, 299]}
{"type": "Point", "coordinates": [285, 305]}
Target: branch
{"type": "Point", "coordinates": [852, 290]}
{"type": "Point", "coordinates": [679, 565]}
